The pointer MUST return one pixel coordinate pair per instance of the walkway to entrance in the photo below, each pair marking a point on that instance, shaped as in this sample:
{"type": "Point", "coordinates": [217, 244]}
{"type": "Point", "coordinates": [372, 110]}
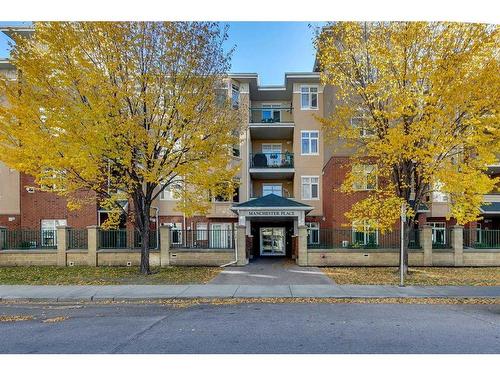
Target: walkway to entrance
{"type": "Point", "coordinates": [272, 271]}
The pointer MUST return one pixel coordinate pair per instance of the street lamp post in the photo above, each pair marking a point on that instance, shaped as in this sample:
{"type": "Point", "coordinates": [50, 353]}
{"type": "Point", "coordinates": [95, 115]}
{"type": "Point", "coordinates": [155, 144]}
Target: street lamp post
{"type": "Point", "coordinates": [401, 260]}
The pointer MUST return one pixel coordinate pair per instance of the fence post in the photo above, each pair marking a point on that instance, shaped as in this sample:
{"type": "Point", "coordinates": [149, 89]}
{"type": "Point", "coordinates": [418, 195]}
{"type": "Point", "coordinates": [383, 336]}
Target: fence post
{"type": "Point", "coordinates": [426, 243]}
{"type": "Point", "coordinates": [62, 244]}
{"type": "Point", "coordinates": [241, 245]}
{"type": "Point", "coordinates": [457, 243]}
{"type": "Point", "coordinates": [164, 246]}
{"type": "Point", "coordinates": [92, 232]}
{"type": "Point", "coordinates": [302, 246]}
{"type": "Point", "coordinates": [3, 238]}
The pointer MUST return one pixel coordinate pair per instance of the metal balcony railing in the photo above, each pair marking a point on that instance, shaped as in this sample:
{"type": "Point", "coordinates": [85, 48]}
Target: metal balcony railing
{"type": "Point", "coordinates": [271, 160]}
{"type": "Point", "coordinates": [271, 115]}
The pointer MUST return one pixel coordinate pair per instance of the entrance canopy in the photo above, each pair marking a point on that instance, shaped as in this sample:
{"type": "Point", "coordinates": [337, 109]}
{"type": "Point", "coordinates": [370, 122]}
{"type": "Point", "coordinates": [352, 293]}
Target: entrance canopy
{"type": "Point", "coordinates": [271, 207]}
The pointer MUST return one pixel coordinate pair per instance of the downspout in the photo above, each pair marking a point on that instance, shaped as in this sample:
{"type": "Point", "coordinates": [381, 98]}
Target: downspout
{"type": "Point", "coordinates": [235, 253]}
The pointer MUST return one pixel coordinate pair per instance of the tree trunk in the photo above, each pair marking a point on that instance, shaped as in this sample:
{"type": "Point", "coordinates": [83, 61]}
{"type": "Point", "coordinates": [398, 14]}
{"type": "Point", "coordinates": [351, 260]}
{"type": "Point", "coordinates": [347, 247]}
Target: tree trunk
{"type": "Point", "coordinates": [145, 243]}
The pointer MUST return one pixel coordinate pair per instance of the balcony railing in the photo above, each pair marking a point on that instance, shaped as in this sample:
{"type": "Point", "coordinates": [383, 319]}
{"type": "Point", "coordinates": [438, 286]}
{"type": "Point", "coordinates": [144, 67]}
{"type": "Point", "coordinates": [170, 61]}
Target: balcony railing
{"type": "Point", "coordinates": [271, 160]}
{"type": "Point", "coordinates": [275, 115]}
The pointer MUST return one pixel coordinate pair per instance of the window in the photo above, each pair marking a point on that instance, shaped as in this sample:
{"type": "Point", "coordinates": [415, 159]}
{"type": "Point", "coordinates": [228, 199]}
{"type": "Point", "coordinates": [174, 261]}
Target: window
{"type": "Point", "coordinates": [201, 231]}
{"type": "Point", "coordinates": [271, 112]}
{"type": "Point", "coordinates": [171, 192]}
{"type": "Point", "coordinates": [310, 187]}
{"type": "Point", "coordinates": [438, 233]}
{"type": "Point", "coordinates": [438, 195]}
{"type": "Point", "coordinates": [235, 96]}
{"type": "Point", "coordinates": [360, 122]}
{"type": "Point", "coordinates": [364, 234]}
{"type": "Point", "coordinates": [176, 232]}
{"type": "Point", "coordinates": [272, 189]}
{"type": "Point", "coordinates": [365, 177]}
{"type": "Point", "coordinates": [221, 236]}
{"type": "Point", "coordinates": [312, 233]}
{"type": "Point", "coordinates": [309, 142]}
{"type": "Point", "coordinates": [49, 231]}
{"type": "Point", "coordinates": [309, 97]}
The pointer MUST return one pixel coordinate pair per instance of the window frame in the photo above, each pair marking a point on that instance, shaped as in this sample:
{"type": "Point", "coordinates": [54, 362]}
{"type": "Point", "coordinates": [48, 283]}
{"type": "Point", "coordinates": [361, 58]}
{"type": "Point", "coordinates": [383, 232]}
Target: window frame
{"type": "Point", "coordinates": [366, 232]}
{"type": "Point", "coordinates": [317, 227]}
{"type": "Point", "coordinates": [274, 184]}
{"type": "Point", "coordinates": [202, 231]}
{"type": "Point", "coordinates": [364, 179]}
{"type": "Point", "coordinates": [311, 198]}
{"type": "Point", "coordinates": [162, 196]}
{"type": "Point", "coordinates": [309, 100]}
{"type": "Point", "coordinates": [302, 132]}
{"type": "Point", "coordinates": [176, 227]}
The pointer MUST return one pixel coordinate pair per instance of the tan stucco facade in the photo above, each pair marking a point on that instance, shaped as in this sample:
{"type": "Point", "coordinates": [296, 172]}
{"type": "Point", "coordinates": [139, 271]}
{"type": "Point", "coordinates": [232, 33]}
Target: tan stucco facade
{"type": "Point", "coordinates": [9, 191]}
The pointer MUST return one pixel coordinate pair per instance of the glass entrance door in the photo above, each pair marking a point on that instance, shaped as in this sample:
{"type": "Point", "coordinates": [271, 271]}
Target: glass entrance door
{"type": "Point", "coordinates": [272, 241]}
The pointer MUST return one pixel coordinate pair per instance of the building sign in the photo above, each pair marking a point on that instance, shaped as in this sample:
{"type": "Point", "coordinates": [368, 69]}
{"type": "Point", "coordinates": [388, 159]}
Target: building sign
{"type": "Point", "coordinates": [272, 213]}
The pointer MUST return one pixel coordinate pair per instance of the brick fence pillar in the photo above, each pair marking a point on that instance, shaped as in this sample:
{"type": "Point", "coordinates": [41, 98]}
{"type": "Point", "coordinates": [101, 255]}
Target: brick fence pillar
{"type": "Point", "coordinates": [62, 244]}
{"type": "Point", "coordinates": [3, 238]}
{"type": "Point", "coordinates": [426, 243]}
{"type": "Point", "coordinates": [302, 246]}
{"type": "Point", "coordinates": [92, 233]}
{"type": "Point", "coordinates": [457, 243]}
{"type": "Point", "coordinates": [164, 246]}
{"type": "Point", "coordinates": [241, 245]}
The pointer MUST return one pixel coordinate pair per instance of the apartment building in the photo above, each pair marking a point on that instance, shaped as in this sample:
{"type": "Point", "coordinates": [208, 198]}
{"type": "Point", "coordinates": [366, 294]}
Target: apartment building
{"type": "Point", "coordinates": [288, 178]}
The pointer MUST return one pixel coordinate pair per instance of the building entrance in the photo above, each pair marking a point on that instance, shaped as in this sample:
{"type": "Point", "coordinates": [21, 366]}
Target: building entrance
{"type": "Point", "coordinates": [272, 241]}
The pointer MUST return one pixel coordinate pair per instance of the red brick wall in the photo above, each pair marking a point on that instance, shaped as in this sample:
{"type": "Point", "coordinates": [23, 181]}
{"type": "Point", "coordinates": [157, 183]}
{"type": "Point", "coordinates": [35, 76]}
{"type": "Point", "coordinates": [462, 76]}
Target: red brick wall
{"type": "Point", "coordinates": [336, 203]}
{"type": "Point", "coordinates": [4, 221]}
{"type": "Point", "coordinates": [44, 205]}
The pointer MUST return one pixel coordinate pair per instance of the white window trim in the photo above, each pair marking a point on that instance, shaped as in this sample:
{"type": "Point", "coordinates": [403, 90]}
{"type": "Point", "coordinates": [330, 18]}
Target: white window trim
{"type": "Point", "coordinates": [162, 195]}
{"type": "Point", "coordinates": [365, 179]}
{"type": "Point", "coordinates": [273, 184]}
{"type": "Point", "coordinates": [178, 228]}
{"type": "Point", "coordinates": [309, 108]}
{"type": "Point", "coordinates": [366, 231]}
{"type": "Point", "coordinates": [310, 153]}
{"type": "Point", "coordinates": [302, 189]}
{"type": "Point", "coordinates": [202, 231]}
{"type": "Point", "coordinates": [309, 226]}
{"type": "Point", "coordinates": [438, 225]}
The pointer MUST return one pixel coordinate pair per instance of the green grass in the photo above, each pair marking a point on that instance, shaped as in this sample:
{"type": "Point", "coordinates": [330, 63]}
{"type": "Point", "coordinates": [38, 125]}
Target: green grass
{"type": "Point", "coordinates": [82, 275]}
{"type": "Point", "coordinates": [474, 276]}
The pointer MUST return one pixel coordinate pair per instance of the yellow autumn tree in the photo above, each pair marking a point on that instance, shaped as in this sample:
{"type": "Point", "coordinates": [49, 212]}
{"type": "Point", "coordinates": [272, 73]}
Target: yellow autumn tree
{"type": "Point", "coordinates": [420, 102]}
{"type": "Point", "coordinates": [124, 110]}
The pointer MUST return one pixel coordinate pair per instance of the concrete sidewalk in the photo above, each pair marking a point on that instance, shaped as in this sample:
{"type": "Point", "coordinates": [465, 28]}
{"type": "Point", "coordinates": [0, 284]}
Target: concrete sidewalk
{"type": "Point", "coordinates": [153, 292]}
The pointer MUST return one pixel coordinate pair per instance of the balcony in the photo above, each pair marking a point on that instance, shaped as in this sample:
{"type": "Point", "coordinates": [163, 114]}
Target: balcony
{"type": "Point", "coordinates": [268, 165]}
{"type": "Point", "coordinates": [272, 122]}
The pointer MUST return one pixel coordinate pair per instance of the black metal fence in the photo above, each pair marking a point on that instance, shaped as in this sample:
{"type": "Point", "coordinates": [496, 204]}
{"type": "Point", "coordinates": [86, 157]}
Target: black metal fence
{"type": "Point", "coordinates": [124, 239]}
{"type": "Point", "coordinates": [19, 239]}
{"type": "Point", "coordinates": [77, 238]}
{"type": "Point", "coordinates": [202, 239]}
{"type": "Point", "coordinates": [351, 239]}
{"type": "Point", "coordinates": [441, 238]}
{"type": "Point", "coordinates": [271, 160]}
{"type": "Point", "coordinates": [482, 238]}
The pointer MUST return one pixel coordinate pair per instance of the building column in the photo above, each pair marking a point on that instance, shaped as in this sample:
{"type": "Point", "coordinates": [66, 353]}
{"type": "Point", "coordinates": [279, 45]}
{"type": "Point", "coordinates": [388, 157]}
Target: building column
{"type": "Point", "coordinates": [426, 243]}
{"type": "Point", "coordinates": [164, 246]}
{"type": "Point", "coordinates": [457, 243]}
{"type": "Point", "coordinates": [3, 238]}
{"type": "Point", "coordinates": [92, 232]}
{"type": "Point", "coordinates": [241, 245]}
{"type": "Point", "coordinates": [62, 244]}
{"type": "Point", "coordinates": [302, 244]}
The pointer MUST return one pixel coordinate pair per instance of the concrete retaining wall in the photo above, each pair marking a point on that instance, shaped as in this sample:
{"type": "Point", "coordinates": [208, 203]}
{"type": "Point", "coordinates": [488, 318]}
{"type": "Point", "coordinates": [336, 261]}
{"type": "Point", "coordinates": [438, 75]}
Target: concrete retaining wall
{"type": "Point", "coordinates": [201, 257]}
{"type": "Point", "coordinates": [28, 258]}
{"type": "Point", "coordinates": [382, 257]}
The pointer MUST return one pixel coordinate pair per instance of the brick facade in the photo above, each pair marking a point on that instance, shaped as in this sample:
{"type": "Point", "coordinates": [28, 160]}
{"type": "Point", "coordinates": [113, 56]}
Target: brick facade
{"type": "Point", "coordinates": [45, 205]}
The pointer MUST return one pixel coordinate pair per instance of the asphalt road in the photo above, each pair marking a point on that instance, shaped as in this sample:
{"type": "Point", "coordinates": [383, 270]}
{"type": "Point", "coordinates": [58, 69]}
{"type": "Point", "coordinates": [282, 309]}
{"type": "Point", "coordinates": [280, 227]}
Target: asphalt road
{"type": "Point", "coordinates": [252, 328]}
